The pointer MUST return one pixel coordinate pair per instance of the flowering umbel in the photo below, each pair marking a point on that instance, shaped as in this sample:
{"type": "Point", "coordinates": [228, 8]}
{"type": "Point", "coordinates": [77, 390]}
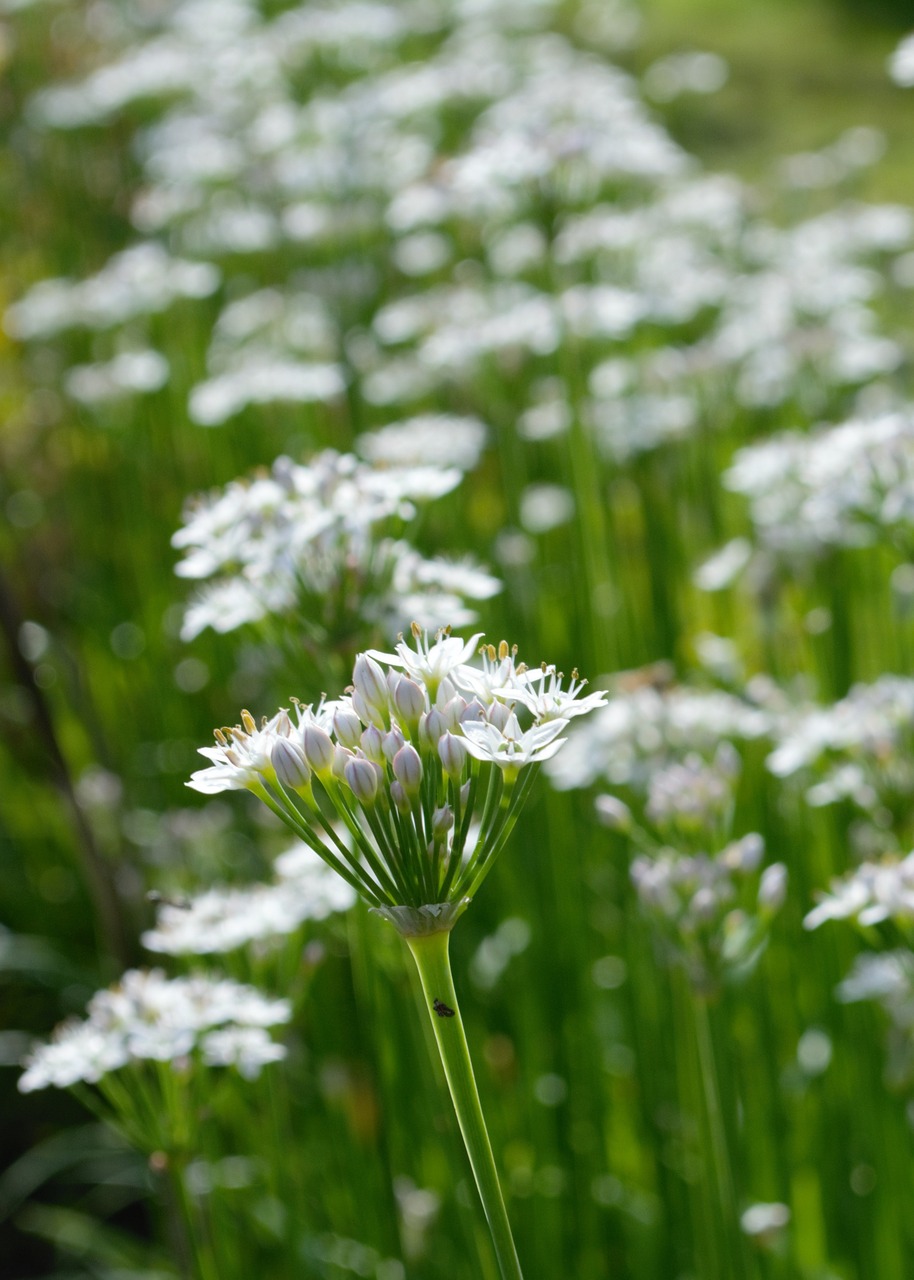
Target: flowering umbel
{"type": "Point", "coordinates": [409, 784]}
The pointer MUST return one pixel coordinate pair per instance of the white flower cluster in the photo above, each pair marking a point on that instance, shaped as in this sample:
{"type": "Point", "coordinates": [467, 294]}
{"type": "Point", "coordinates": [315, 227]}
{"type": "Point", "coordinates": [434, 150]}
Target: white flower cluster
{"type": "Point", "coordinates": [138, 281]}
{"type": "Point", "coordinates": [901, 63]}
{"type": "Point", "coordinates": [839, 486]}
{"type": "Point", "coordinates": [148, 1016]}
{"type": "Point", "coordinates": [307, 536]}
{"type": "Point", "coordinates": [714, 911]}
{"type": "Point", "coordinates": [640, 730]}
{"type": "Point", "coordinates": [888, 979]}
{"type": "Point", "coordinates": [859, 748]}
{"type": "Point", "coordinates": [322, 126]}
{"type": "Point", "coordinates": [870, 894]}
{"type": "Point", "coordinates": [693, 797]}
{"type": "Point", "coordinates": [421, 764]}
{"type": "Point", "coordinates": [224, 918]}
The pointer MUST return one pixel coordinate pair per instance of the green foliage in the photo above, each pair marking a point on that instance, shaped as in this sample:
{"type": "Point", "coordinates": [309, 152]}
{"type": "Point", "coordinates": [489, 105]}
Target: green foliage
{"type": "Point", "coordinates": [619, 1155]}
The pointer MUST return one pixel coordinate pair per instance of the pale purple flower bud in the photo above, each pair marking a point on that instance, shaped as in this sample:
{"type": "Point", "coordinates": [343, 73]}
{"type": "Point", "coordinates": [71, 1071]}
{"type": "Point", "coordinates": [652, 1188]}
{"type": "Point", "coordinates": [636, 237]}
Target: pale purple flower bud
{"type": "Point", "coordinates": [367, 713]}
{"type": "Point", "coordinates": [399, 797]}
{"type": "Point", "coordinates": [372, 743]}
{"type": "Point", "coordinates": [473, 711]}
{"type": "Point", "coordinates": [341, 757]}
{"type": "Point", "coordinates": [407, 767]}
{"type": "Point", "coordinates": [289, 762]}
{"type": "Point", "coordinates": [704, 904]}
{"type": "Point", "coordinates": [371, 684]}
{"type": "Point", "coordinates": [318, 748]}
{"type": "Point", "coordinates": [409, 701]}
{"type": "Point", "coordinates": [392, 743]}
{"type": "Point", "coordinates": [442, 821]}
{"type": "Point", "coordinates": [431, 727]}
{"type": "Point", "coordinates": [465, 794]}
{"type": "Point", "coordinates": [613, 813]}
{"type": "Point", "coordinates": [452, 752]}
{"type": "Point", "coordinates": [727, 760]}
{"type": "Point", "coordinates": [772, 889]}
{"type": "Point", "coordinates": [446, 690]}
{"type": "Point", "coordinates": [453, 710]}
{"type": "Point", "coordinates": [348, 728]}
{"type": "Point", "coordinates": [499, 715]}
{"type": "Point", "coordinates": [745, 855]}
{"type": "Point", "coordinates": [362, 777]}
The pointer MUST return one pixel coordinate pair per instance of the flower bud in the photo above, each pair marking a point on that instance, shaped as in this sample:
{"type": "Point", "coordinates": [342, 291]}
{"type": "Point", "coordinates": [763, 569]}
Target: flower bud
{"type": "Point", "coordinates": [348, 727]}
{"type": "Point", "coordinates": [772, 889]}
{"type": "Point", "coordinates": [431, 727]}
{"type": "Point", "coordinates": [371, 684]}
{"type": "Point", "coordinates": [445, 691]}
{"type": "Point", "coordinates": [499, 715]}
{"type": "Point", "coordinates": [366, 712]}
{"type": "Point", "coordinates": [289, 762]}
{"type": "Point", "coordinates": [613, 813]}
{"type": "Point", "coordinates": [407, 767]}
{"type": "Point", "coordinates": [704, 904]}
{"type": "Point", "coordinates": [745, 854]}
{"type": "Point", "coordinates": [341, 757]}
{"type": "Point", "coordinates": [442, 821]}
{"type": "Point", "coordinates": [362, 777]}
{"type": "Point", "coordinates": [452, 752]}
{"type": "Point", "coordinates": [473, 711]}
{"type": "Point", "coordinates": [409, 701]}
{"type": "Point", "coordinates": [372, 743]}
{"type": "Point", "coordinates": [392, 743]}
{"type": "Point", "coordinates": [399, 797]}
{"type": "Point", "coordinates": [453, 710]}
{"type": "Point", "coordinates": [318, 748]}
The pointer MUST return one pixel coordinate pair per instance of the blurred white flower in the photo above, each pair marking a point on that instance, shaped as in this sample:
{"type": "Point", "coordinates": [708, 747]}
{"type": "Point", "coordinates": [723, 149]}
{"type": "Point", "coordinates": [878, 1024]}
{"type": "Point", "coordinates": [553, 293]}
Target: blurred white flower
{"type": "Point", "coordinates": [150, 1016]}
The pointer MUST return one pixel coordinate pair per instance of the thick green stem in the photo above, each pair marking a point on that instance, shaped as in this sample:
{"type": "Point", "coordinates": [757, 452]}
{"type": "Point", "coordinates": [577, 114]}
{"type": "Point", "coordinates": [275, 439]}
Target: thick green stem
{"type": "Point", "coordinates": [430, 952]}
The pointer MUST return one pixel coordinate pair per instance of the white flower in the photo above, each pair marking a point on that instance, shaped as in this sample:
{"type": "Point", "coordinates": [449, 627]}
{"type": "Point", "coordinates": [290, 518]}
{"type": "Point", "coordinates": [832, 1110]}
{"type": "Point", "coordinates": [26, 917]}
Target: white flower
{"type": "Point", "coordinates": [429, 663]}
{"type": "Point", "coordinates": [873, 892]}
{"type": "Point", "coordinates": [761, 1220]}
{"type": "Point", "coordinates": [78, 1051]}
{"type": "Point", "coordinates": [247, 1048]}
{"type": "Point", "coordinates": [541, 693]}
{"type": "Point", "coordinates": [901, 63]}
{"type": "Point", "coordinates": [242, 757]}
{"type": "Point", "coordinates": [222, 919]}
{"type": "Point", "coordinates": [149, 1016]}
{"type": "Point", "coordinates": [886, 977]}
{"type": "Point", "coordinates": [439, 440]}
{"type": "Point", "coordinates": [511, 747]}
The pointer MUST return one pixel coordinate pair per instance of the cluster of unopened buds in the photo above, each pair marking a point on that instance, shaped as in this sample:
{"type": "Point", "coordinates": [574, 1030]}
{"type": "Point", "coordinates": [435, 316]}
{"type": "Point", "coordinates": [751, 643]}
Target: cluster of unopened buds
{"type": "Point", "coordinates": [708, 895]}
{"type": "Point", "coordinates": [713, 911]}
{"type": "Point", "coordinates": [410, 784]}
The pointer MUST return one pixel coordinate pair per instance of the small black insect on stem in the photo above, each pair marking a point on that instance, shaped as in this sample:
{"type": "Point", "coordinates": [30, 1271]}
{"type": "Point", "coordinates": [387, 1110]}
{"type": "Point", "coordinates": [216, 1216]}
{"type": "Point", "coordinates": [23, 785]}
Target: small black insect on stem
{"type": "Point", "coordinates": [443, 1010]}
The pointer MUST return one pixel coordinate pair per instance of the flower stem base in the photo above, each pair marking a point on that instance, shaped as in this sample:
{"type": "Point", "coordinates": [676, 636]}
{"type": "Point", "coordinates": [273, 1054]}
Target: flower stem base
{"type": "Point", "coordinates": [430, 952]}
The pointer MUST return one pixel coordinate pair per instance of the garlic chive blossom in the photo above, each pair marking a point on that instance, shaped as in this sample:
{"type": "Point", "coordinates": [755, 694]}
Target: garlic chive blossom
{"type": "Point", "coordinates": [426, 760]}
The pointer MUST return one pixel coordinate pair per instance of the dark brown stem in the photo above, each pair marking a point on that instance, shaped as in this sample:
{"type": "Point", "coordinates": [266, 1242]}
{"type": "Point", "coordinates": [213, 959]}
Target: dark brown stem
{"type": "Point", "coordinates": [94, 866]}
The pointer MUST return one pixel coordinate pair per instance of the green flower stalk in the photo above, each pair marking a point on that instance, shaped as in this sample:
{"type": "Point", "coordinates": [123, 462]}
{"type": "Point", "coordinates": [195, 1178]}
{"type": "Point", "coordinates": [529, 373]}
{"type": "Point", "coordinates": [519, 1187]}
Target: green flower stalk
{"type": "Point", "coordinates": [409, 786]}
